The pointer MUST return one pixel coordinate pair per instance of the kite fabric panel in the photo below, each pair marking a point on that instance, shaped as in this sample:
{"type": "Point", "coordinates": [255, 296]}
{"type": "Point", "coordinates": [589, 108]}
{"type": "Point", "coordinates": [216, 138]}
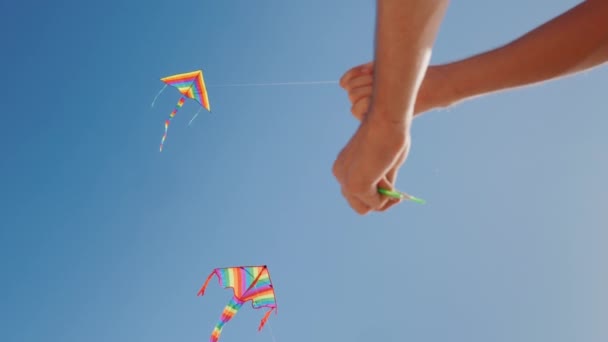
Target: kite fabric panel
{"type": "Point", "coordinates": [249, 283]}
{"type": "Point", "coordinates": [192, 85]}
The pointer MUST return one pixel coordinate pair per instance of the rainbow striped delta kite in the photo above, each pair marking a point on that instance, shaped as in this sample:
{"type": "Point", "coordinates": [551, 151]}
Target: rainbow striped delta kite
{"type": "Point", "coordinates": [191, 85]}
{"type": "Point", "coordinates": [249, 283]}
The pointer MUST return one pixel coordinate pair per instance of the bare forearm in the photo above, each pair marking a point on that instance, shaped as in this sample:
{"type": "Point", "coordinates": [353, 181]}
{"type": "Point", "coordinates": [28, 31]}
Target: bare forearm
{"type": "Point", "coordinates": [572, 42]}
{"type": "Point", "coordinates": [405, 33]}
{"type": "Point", "coordinates": [600, 56]}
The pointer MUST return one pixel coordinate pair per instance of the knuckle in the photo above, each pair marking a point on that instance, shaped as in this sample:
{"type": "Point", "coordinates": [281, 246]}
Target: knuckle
{"type": "Point", "coordinates": [351, 97]}
{"type": "Point", "coordinates": [355, 95]}
{"type": "Point", "coordinates": [362, 211]}
{"type": "Point", "coordinates": [336, 171]}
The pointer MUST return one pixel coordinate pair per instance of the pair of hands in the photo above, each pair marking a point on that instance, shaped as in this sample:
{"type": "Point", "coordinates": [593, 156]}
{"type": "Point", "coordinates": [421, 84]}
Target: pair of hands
{"type": "Point", "coordinates": [375, 153]}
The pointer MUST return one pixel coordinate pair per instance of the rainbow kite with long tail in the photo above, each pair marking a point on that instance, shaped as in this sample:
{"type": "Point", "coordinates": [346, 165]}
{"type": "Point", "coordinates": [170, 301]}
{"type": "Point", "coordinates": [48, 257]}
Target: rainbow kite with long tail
{"type": "Point", "coordinates": [249, 283]}
{"type": "Point", "coordinates": [191, 85]}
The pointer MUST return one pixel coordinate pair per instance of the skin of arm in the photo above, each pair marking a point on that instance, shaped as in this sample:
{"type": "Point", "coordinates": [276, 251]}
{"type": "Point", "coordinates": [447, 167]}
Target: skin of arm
{"type": "Point", "coordinates": [382, 91]}
{"type": "Point", "coordinates": [405, 34]}
{"type": "Point", "coordinates": [558, 48]}
{"type": "Point", "coordinates": [574, 41]}
{"type": "Point", "coordinates": [600, 56]}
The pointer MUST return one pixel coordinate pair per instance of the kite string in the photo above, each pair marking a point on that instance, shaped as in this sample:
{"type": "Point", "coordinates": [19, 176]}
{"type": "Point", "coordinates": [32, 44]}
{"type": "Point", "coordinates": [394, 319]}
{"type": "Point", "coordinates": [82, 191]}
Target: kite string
{"type": "Point", "coordinates": [157, 95]}
{"type": "Point", "coordinates": [271, 333]}
{"type": "Point", "coordinates": [232, 85]}
{"type": "Point", "coordinates": [270, 84]}
{"type": "Point", "coordinates": [195, 115]}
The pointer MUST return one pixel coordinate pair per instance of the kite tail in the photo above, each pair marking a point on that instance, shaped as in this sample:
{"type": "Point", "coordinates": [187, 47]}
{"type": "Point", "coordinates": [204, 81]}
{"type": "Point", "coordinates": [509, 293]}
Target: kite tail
{"type": "Point", "coordinates": [195, 115]}
{"type": "Point", "coordinates": [157, 95]}
{"type": "Point", "coordinates": [180, 103]}
{"type": "Point", "coordinates": [202, 290]}
{"type": "Point", "coordinates": [229, 311]}
{"type": "Point", "coordinates": [265, 318]}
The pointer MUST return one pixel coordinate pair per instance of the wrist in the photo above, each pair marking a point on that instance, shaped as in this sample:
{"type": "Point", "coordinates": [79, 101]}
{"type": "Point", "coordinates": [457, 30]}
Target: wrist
{"type": "Point", "coordinates": [395, 115]}
{"type": "Point", "coordinates": [394, 131]}
{"type": "Point", "coordinates": [452, 89]}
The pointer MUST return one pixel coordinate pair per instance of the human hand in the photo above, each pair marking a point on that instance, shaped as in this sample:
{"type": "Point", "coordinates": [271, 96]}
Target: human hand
{"type": "Point", "coordinates": [358, 83]}
{"type": "Point", "coordinates": [370, 160]}
{"type": "Point", "coordinates": [436, 90]}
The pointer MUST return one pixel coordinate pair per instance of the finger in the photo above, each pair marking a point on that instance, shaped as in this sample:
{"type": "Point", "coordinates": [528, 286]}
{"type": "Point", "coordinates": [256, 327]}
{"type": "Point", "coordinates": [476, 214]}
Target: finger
{"type": "Point", "coordinates": [391, 178]}
{"type": "Point", "coordinates": [360, 108]}
{"type": "Point", "coordinates": [391, 175]}
{"type": "Point", "coordinates": [360, 69]}
{"type": "Point", "coordinates": [389, 204]}
{"type": "Point", "coordinates": [363, 80]}
{"type": "Point", "coordinates": [385, 183]}
{"type": "Point", "coordinates": [348, 75]}
{"type": "Point", "coordinates": [357, 205]}
{"type": "Point", "coordinates": [375, 201]}
{"type": "Point", "coordinates": [358, 93]}
{"type": "Point", "coordinates": [363, 203]}
{"type": "Point", "coordinates": [365, 192]}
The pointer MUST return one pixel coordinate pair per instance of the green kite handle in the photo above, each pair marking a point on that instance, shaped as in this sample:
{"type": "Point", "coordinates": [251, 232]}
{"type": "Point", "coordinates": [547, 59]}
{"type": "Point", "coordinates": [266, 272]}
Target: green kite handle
{"type": "Point", "coordinates": [400, 195]}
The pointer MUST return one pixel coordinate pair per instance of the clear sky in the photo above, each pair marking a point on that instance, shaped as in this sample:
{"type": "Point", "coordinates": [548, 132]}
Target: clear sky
{"type": "Point", "coordinates": [103, 238]}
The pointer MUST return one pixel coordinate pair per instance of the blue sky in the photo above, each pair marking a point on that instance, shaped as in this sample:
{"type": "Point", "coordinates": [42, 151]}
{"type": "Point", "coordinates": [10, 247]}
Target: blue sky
{"type": "Point", "coordinates": [103, 238]}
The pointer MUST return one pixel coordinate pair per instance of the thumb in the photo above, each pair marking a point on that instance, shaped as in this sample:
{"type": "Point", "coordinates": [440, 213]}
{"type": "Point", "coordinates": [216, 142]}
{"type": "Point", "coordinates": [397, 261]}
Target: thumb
{"type": "Point", "coordinates": [389, 201]}
{"type": "Point", "coordinates": [384, 183]}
